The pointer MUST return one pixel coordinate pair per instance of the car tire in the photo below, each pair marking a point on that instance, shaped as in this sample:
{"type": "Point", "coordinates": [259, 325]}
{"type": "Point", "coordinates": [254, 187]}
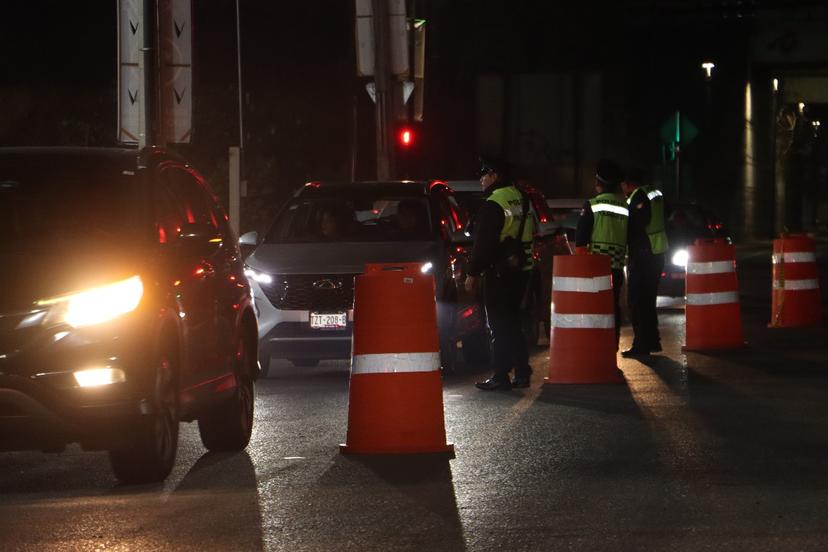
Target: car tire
{"type": "Point", "coordinates": [149, 454]}
{"type": "Point", "coordinates": [305, 362]}
{"type": "Point", "coordinates": [477, 347]}
{"type": "Point", "coordinates": [229, 425]}
{"type": "Point", "coordinates": [264, 363]}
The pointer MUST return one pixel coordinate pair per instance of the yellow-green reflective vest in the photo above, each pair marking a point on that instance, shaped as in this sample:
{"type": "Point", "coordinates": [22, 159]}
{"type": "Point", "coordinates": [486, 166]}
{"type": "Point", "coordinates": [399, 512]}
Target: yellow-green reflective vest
{"type": "Point", "coordinates": [511, 201]}
{"type": "Point", "coordinates": [655, 228]}
{"type": "Point", "coordinates": [609, 228]}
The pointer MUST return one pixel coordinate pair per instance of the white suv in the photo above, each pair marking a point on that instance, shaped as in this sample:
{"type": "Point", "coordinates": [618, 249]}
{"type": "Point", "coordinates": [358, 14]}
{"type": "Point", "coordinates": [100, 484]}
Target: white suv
{"type": "Point", "coordinates": [302, 271]}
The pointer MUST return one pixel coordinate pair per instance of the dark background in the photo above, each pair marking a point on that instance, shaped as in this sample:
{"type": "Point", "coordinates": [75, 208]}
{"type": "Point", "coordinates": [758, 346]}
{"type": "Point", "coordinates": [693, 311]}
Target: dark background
{"type": "Point", "coordinates": [303, 102]}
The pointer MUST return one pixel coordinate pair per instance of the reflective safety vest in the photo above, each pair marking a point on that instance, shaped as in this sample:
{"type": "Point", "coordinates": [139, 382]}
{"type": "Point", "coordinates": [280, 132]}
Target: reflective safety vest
{"type": "Point", "coordinates": [511, 201]}
{"type": "Point", "coordinates": [609, 228]}
{"type": "Point", "coordinates": [655, 228]}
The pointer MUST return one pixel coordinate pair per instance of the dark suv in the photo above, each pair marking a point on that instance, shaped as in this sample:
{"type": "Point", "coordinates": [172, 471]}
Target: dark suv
{"type": "Point", "coordinates": [124, 308]}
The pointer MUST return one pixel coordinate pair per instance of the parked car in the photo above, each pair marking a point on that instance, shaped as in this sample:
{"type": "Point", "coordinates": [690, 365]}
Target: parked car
{"type": "Point", "coordinates": [549, 240]}
{"type": "Point", "coordinates": [124, 310]}
{"type": "Point", "coordinates": [685, 222]}
{"type": "Point", "coordinates": [302, 270]}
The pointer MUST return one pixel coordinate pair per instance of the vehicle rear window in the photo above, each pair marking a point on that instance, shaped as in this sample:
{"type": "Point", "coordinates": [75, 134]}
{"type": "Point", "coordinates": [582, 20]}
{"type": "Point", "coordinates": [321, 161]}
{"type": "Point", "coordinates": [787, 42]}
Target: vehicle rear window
{"type": "Point", "coordinates": [360, 218]}
{"type": "Point", "coordinates": [49, 207]}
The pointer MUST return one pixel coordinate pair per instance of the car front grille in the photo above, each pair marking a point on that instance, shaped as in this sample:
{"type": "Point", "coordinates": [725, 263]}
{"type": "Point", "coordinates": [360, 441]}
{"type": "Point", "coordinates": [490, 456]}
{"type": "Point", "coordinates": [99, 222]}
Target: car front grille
{"type": "Point", "coordinates": [314, 292]}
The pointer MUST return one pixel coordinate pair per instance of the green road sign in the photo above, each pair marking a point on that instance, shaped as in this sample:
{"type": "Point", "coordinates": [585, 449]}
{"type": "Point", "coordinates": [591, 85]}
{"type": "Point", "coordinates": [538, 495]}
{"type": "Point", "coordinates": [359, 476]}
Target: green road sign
{"type": "Point", "coordinates": [678, 130]}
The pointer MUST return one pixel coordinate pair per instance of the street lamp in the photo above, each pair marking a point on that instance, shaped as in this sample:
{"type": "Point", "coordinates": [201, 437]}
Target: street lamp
{"type": "Point", "coordinates": [708, 69]}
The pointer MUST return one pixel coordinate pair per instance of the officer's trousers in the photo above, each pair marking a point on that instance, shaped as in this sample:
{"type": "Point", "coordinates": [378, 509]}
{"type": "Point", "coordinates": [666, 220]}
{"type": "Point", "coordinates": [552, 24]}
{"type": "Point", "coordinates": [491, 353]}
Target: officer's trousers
{"type": "Point", "coordinates": [644, 273]}
{"type": "Point", "coordinates": [503, 296]}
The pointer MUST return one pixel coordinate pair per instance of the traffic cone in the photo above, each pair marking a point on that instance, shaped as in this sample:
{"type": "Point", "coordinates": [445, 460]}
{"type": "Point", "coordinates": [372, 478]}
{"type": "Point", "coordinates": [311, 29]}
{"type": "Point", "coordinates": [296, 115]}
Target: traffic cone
{"type": "Point", "coordinates": [795, 299]}
{"type": "Point", "coordinates": [396, 391]}
{"type": "Point", "coordinates": [712, 316]}
{"type": "Point", "coordinates": [582, 346]}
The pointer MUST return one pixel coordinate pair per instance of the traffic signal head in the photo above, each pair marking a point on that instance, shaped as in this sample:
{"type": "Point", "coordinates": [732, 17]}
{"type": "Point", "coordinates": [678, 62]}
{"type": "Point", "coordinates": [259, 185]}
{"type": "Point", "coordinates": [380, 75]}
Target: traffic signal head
{"type": "Point", "coordinates": [405, 137]}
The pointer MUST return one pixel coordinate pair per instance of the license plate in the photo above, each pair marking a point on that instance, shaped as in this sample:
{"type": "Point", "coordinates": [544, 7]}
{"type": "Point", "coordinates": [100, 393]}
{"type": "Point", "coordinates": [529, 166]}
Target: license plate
{"type": "Point", "coordinates": [328, 320]}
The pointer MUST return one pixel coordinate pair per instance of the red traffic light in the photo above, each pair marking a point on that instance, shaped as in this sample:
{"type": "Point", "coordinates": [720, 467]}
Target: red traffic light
{"type": "Point", "coordinates": [405, 136]}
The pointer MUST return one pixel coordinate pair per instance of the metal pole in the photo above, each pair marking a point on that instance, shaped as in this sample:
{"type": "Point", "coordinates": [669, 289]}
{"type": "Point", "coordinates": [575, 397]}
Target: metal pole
{"type": "Point", "coordinates": [239, 69]}
{"type": "Point", "coordinates": [145, 135]}
{"type": "Point", "coordinates": [381, 74]}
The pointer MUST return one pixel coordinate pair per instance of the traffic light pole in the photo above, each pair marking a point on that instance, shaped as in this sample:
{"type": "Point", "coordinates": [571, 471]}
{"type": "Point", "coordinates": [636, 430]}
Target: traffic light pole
{"type": "Point", "coordinates": [383, 88]}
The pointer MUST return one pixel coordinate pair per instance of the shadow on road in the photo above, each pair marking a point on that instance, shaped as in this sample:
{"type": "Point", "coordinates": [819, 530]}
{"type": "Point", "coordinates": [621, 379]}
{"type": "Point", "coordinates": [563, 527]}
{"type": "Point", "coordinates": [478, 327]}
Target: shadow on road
{"type": "Point", "coordinates": [674, 374]}
{"type": "Point", "coordinates": [604, 398]}
{"type": "Point", "coordinates": [414, 508]}
{"type": "Point", "coordinates": [774, 431]}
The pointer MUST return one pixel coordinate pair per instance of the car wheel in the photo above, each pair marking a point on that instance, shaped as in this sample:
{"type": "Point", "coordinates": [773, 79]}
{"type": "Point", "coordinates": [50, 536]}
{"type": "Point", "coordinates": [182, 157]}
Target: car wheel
{"type": "Point", "coordinates": [229, 425]}
{"type": "Point", "coordinates": [149, 455]}
{"type": "Point", "coordinates": [264, 363]}
{"type": "Point", "coordinates": [477, 347]}
{"type": "Point", "coordinates": [305, 362]}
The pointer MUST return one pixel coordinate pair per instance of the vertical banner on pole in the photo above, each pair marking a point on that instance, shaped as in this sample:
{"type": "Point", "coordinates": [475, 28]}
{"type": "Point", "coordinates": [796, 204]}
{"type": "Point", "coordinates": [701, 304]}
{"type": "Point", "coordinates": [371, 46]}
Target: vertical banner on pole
{"type": "Point", "coordinates": [364, 37]}
{"type": "Point", "coordinates": [176, 79]}
{"type": "Point", "coordinates": [130, 77]}
{"type": "Point", "coordinates": [398, 37]}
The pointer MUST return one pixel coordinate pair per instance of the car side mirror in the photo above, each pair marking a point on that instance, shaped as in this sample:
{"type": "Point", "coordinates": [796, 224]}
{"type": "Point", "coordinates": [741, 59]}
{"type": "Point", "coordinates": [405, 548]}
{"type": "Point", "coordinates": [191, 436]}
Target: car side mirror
{"type": "Point", "coordinates": [249, 239]}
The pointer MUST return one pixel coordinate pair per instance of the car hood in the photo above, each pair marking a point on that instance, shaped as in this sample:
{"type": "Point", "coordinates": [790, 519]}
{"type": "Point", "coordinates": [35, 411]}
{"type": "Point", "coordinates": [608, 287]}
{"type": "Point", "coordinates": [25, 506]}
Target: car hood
{"type": "Point", "coordinates": [338, 258]}
{"type": "Point", "coordinates": [35, 274]}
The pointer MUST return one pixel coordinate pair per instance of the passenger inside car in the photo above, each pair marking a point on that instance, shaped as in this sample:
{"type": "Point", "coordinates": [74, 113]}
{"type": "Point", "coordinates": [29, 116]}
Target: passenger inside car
{"type": "Point", "coordinates": [333, 222]}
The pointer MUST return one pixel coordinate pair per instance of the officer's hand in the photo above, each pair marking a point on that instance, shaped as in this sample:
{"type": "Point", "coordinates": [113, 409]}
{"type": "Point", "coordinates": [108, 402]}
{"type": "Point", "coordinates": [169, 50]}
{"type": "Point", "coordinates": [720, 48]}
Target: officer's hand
{"type": "Point", "coordinates": [471, 283]}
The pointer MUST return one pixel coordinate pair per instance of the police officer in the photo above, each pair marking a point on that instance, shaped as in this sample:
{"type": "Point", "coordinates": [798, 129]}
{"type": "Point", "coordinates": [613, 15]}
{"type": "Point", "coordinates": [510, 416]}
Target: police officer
{"type": "Point", "coordinates": [504, 258]}
{"type": "Point", "coordinates": [647, 242]}
{"type": "Point", "coordinates": [602, 228]}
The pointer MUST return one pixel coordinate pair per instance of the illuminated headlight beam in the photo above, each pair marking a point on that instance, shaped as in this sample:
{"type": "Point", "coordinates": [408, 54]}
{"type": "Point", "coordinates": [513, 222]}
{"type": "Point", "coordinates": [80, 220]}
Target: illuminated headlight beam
{"type": "Point", "coordinates": [680, 258]}
{"type": "Point", "coordinates": [96, 305]}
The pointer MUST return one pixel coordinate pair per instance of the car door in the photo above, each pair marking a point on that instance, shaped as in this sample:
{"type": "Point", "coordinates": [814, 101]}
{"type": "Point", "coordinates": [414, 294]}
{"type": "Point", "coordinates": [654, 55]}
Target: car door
{"type": "Point", "coordinates": [231, 287]}
{"type": "Point", "coordinates": [193, 260]}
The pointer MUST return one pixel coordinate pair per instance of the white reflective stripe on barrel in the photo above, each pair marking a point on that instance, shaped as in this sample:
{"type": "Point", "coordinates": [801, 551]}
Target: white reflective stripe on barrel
{"type": "Point", "coordinates": [590, 321]}
{"type": "Point", "coordinates": [719, 298]}
{"type": "Point", "coordinates": [395, 363]}
{"type": "Point", "coordinates": [590, 285]}
{"type": "Point", "coordinates": [654, 194]}
{"type": "Point", "coordinates": [607, 208]}
{"type": "Point", "coordinates": [795, 257]}
{"type": "Point", "coordinates": [795, 285]}
{"type": "Point", "coordinates": [714, 267]}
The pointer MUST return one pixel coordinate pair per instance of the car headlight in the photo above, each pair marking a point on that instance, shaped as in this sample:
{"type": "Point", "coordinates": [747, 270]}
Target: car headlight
{"type": "Point", "coordinates": [96, 305]}
{"type": "Point", "coordinates": [680, 258]}
{"type": "Point", "coordinates": [260, 277]}
{"type": "Point", "coordinates": [97, 377]}
{"type": "Point", "coordinates": [427, 267]}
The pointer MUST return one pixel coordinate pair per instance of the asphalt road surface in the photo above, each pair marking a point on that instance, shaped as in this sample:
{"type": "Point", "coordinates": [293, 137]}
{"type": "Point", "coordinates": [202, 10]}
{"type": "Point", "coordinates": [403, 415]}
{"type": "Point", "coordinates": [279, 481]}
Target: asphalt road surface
{"type": "Point", "coordinates": [725, 451]}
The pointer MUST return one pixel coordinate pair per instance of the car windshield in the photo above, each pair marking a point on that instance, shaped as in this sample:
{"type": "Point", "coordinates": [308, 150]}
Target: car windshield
{"type": "Point", "coordinates": [44, 208]}
{"type": "Point", "coordinates": [353, 218]}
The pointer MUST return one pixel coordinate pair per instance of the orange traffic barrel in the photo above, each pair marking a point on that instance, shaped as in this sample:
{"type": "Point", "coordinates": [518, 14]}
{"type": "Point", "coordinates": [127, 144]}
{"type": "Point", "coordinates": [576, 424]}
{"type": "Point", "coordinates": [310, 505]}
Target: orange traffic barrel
{"type": "Point", "coordinates": [713, 319]}
{"type": "Point", "coordinates": [796, 300]}
{"type": "Point", "coordinates": [396, 390]}
{"type": "Point", "coordinates": [582, 346]}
